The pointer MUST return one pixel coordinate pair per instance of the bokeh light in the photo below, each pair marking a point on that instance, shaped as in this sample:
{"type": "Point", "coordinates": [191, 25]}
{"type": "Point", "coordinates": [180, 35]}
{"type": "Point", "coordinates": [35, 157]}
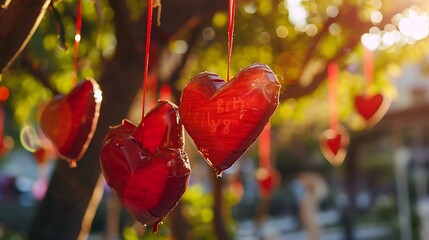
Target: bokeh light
{"type": "Point", "coordinates": [371, 41]}
{"type": "Point", "coordinates": [415, 25]}
{"type": "Point", "coordinates": [282, 31]}
{"type": "Point", "coordinates": [376, 17]}
{"type": "Point", "coordinates": [29, 138]}
{"type": "Point", "coordinates": [406, 28]}
{"type": "Point", "coordinates": [297, 14]}
{"type": "Point", "coordinates": [332, 11]}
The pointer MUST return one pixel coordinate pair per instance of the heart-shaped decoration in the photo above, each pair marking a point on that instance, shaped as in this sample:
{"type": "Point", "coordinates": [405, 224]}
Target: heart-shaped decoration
{"type": "Point", "coordinates": [268, 181]}
{"type": "Point", "coordinates": [372, 108]}
{"type": "Point", "coordinates": [334, 145]}
{"type": "Point", "coordinates": [225, 118]}
{"type": "Point", "coordinates": [146, 166]}
{"type": "Point", "coordinates": [70, 121]}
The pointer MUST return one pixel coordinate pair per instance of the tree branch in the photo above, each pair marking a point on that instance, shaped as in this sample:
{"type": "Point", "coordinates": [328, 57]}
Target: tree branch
{"type": "Point", "coordinates": [17, 25]}
{"type": "Point", "coordinates": [195, 33]}
{"type": "Point", "coordinates": [125, 36]}
{"type": "Point", "coordinates": [297, 91]}
{"type": "Point", "coordinates": [349, 18]}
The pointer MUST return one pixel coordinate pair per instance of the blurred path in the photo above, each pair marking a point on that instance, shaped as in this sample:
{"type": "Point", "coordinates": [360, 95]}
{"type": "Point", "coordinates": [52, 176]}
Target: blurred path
{"type": "Point", "coordinates": [287, 228]}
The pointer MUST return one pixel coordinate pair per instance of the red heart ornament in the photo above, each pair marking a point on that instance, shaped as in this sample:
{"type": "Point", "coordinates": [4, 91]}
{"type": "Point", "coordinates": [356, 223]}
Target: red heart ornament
{"type": "Point", "coordinates": [146, 166]}
{"type": "Point", "coordinates": [372, 108]}
{"type": "Point", "coordinates": [268, 180]}
{"type": "Point", "coordinates": [225, 118]}
{"type": "Point", "coordinates": [334, 145]}
{"type": "Point", "coordinates": [69, 121]}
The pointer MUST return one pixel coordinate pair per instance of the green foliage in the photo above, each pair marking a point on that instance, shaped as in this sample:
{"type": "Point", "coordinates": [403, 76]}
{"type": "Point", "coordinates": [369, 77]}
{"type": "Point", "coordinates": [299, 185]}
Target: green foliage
{"type": "Point", "coordinates": [197, 204]}
{"type": "Point", "coordinates": [47, 56]}
{"type": "Point", "coordinates": [26, 94]}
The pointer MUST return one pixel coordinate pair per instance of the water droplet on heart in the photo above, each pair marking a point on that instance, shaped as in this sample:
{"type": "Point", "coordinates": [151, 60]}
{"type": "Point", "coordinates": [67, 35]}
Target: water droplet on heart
{"type": "Point", "coordinates": [219, 174]}
{"type": "Point", "coordinates": [73, 164]}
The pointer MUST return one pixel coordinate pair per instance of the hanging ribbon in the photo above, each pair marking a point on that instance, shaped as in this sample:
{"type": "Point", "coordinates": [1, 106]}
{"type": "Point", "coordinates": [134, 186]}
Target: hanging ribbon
{"type": "Point", "coordinates": [368, 68]}
{"type": "Point", "coordinates": [1, 125]}
{"type": "Point", "coordinates": [333, 96]}
{"type": "Point", "coordinates": [4, 94]}
{"type": "Point", "coordinates": [77, 38]}
{"type": "Point", "coordinates": [165, 92]}
{"type": "Point", "coordinates": [231, 19]}
{"type": "Point", "coordinates": [147, 49]}
{"type": "Point", "coordinates": [264, 147]}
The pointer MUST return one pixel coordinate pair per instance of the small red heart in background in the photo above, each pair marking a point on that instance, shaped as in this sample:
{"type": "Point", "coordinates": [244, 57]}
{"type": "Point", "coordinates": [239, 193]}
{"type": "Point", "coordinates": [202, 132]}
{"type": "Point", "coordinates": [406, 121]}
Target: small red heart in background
{"type": "Point", "coordinates": [268, 181]}
{"type": "Point", "coordinates": [70, 121]}
{"type": "Point", "coordinates": [225, 118]}
{"type": "Point", "coordinates": [146, 166]}
{"type": "Point", "coordinates": [372, 108]}
{"type": "Point", "coordinates": [334, 145]}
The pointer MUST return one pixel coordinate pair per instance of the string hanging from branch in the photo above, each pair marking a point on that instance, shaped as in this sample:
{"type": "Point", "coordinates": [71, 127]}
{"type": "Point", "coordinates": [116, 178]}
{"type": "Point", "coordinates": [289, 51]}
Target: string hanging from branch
{"type": "Point", "coordinates": [264, 147]}
{"type": "Point", "coordinates": [77, 38]}
{"type": "Point", "coordinates": [231, 20]}
{"type": "Point", "coordinates": [147, 52]}
{"type": "Point", "coordinates": [368, 68]}
{"type": "Point", "coordinates": [333, 96]}
{"type": "Point", "coordinates": [267, 177]}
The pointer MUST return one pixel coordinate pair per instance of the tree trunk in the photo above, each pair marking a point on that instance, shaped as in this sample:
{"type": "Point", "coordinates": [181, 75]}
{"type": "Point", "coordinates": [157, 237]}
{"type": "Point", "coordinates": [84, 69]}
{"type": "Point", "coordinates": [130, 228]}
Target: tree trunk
{"type": "Point", "coordinates": [350, 175]}
{"type": "Point", "coordinates": [218, 205]}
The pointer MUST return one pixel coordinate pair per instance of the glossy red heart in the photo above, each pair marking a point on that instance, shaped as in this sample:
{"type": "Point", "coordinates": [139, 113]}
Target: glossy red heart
{"type": "Point", "coordinates": [225, 118]}
{"type": "Point", "coordinates": [146, 166]}
{"type": "Point", "coordinates": [372, 108]}
{"type": "Point", "coordinates": [69, 121]}
{"type": "Point", "coordinates": [334, 145]}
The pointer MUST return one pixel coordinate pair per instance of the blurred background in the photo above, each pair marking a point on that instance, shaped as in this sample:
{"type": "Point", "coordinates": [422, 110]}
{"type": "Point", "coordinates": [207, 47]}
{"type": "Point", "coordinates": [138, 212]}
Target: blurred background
{"type": "Point", "coordinates": [285, 186]}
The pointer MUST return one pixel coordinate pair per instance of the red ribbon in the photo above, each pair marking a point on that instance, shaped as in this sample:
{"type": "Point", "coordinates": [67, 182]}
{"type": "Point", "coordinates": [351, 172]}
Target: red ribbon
{"type": "Point", "coordinates": [147, 49]}
{"type": "Point", "coordinates": [4, 94]}
{"type": "Point", "coordinates": [231, 19]}
{"type": "Point", "coordinates": [333, 95]}
{"type": "Point", "coordinates": [368, 68]}
{"type": "Point", "coordinates": [265, 147]}
{"type": "Point", "coordinates": [77, 38]}
{"type": "Point", "coordinates": [1, 124]}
